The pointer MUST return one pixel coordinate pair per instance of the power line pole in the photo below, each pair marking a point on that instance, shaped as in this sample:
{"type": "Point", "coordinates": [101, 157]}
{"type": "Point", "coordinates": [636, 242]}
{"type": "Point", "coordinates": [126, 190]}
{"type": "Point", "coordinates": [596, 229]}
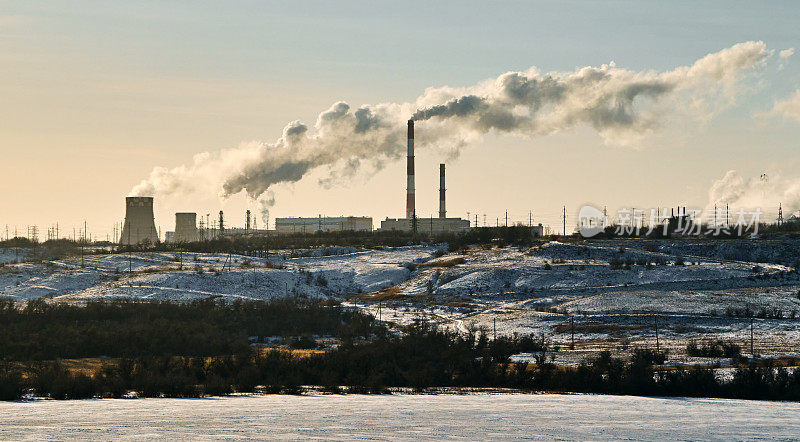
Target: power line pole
{"type": "Point", "coordinates": [564, 216]}
{"type": "Point", "coordinates": [572, 330]}
{"type": "Point", "coordinates": [506, 218]}
{"type": "Point", "coordinates": [130, 258]}
{"type": "Point", "coordinates": [658, 347]}
{"type": "Point", "coordinates": [752, 351]}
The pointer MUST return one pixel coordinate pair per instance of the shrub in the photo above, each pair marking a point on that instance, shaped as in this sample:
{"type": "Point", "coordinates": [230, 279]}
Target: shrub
{"type": "Point", "coordinates": [11, 386]}
{"type": "Point", "coordinates": [714, 349]}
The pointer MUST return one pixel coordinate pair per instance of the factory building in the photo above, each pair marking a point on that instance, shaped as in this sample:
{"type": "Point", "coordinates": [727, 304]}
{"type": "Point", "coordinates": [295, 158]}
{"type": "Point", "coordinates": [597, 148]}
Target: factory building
{"type": "Point", "coordinates": [324, 224]}
{"type": "Point", "coordinates": [426, 225]}
{"type": "Point", "coordinates": [431, 225]}
{"type": "Point", "coordinates": [140, 225]}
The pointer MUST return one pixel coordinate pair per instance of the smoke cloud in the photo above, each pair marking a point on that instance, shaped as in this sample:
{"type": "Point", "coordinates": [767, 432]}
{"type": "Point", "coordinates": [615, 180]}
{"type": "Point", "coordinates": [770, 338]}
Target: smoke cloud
{"type": "Point", "coordinates": [620, 104]}
{"type": "Point", "coordinates": [764, 192]}
{"type": "Point", "coordinates": [787, 108]}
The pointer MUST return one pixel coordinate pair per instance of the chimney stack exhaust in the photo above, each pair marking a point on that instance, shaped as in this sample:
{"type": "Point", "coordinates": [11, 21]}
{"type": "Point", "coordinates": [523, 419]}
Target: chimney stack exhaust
{"type": "Point", "coordinates": [410, 173]}
{"type": "Point", "coordinates": [442, 210]}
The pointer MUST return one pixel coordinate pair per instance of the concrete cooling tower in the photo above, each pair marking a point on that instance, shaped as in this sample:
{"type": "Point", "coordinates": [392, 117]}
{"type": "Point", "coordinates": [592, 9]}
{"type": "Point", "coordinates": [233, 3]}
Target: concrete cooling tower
{"type": "Point", "coordinates": [140, 223]}
{"type": "Point", "coordinates": [186, 227]}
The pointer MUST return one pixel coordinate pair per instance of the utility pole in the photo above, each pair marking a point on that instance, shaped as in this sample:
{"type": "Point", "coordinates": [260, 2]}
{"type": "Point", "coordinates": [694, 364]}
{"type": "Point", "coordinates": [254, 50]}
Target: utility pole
{"type": "Point", "coordinates": [506, 218]}
{"type": "Point", "coordinates": [564, 216]}
{"type": "Point", "coordinates": [530, 219]}
{"type": "Point", "coordinates": [658, 347]}
{"type": "Point", "coordinates": [494, 328]}
{"type": "Point", "coordinates": [572, 330]}
{"type": "Point", "coordinates": [380, 319]}
{"type": "Point", "coordinates": [752, 351]}
{"type": "Point", "coordinates": [130, 258]}
{"type": "Point", "coordinates": [84, 240]}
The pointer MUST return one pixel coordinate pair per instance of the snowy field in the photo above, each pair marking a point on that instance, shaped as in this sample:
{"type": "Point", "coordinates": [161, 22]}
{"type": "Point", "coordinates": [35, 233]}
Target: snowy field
{"type": "Point", "coordinates": [608, 294]}
{"type": "Point", "coordinates": [331, 272]}
{"type": "Point", "coordinates": [402, 417]}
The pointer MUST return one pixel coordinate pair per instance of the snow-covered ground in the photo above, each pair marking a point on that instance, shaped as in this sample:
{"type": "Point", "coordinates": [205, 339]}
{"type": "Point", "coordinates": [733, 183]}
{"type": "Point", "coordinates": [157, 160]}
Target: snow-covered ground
{"type": "Point", "coordinates": [693, 289]}
{"type": "Point", "coordinates": [14, 255]}
{"type": "Point", "coordinates": [402, 417]}
{"type": "Point", "coordinates": [558, 289]}
{"type": "Point", "coordinates": [322, 273]}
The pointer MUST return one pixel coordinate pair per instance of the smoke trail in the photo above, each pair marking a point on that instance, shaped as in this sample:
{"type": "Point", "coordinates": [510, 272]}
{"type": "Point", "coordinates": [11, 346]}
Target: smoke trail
{"type": "Point", "coordinates": [762, 192]}
{"type": "Point", "coordinates": [266, 202]}
{"type": "Point", "coordinates": [621, 105]}
{"type": "Point", "coordinates": [787, 108]}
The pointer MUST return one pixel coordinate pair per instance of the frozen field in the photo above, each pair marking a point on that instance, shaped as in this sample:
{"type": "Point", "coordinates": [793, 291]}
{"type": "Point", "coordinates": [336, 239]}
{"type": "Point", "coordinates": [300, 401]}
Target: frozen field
{"type": "Point", "coordinates": [403, 417]}
{"type": "Point", "coordinates": [171, 276]}
{"type": "Point", "coordinates": [608, 293]}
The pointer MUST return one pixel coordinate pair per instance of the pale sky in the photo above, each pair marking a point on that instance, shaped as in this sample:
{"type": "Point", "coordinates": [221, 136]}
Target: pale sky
{"type": "Point", "coordinates": [94, 94]}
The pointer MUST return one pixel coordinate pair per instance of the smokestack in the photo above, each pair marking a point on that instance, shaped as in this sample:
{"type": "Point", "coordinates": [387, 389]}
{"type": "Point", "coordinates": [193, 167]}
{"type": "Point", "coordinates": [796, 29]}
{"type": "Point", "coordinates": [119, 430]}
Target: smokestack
{"type": "Point", "coordinates": [410, 172]}
{"type": "Point", "coordinates": [247, 221]}
{"type": "Point", "coordinates": [221, 224]}
{"type": "Point", "coordinates": [442, 210]}
{"type": "Point", "coordinates": [140, 225]}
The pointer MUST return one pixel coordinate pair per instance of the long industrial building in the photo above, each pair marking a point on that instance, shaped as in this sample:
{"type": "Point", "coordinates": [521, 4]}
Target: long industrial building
{"type": "Point", "coordinates": [324, 224]}
{"type": "Point", "coordinates": [426, 225]}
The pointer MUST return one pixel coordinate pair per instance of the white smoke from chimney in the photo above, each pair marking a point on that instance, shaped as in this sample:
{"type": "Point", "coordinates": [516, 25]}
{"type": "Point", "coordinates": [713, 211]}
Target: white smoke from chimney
{"type": "Point", "coordinates": [621, 105]}
{"type": "Point", "coordinates": [762, 192]}
{"type": "Point", "coordinates": [787, 108]}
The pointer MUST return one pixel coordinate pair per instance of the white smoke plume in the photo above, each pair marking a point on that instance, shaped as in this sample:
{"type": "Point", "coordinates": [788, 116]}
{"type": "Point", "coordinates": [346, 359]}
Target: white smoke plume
{"type": "Point", "coordinates": [765, 192]}
{"type": "Point", "coordinates": [620, 104]}
{"type": "Point", "coordinates": [266, 202]}
{"type": "Point", "coordinates": [787, 108]}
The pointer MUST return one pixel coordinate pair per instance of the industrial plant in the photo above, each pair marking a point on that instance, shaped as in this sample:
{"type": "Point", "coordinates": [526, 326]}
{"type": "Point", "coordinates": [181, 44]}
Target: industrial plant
{"type": "Point", "coordinates": [139, 226]}
{"type": "Point", "coordinates": [412, 222]}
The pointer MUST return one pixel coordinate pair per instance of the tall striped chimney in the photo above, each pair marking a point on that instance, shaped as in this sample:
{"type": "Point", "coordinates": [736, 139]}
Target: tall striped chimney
{"type": "Point", "coordinates": [410, 172]}
{"type": "Point", "coordinates": [442, 210]}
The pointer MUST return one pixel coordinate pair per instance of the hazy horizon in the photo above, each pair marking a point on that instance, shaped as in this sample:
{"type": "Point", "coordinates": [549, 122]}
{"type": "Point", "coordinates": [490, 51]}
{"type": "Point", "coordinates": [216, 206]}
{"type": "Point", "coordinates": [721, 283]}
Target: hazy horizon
{"type": "Point", "coordinates": [97, 94]}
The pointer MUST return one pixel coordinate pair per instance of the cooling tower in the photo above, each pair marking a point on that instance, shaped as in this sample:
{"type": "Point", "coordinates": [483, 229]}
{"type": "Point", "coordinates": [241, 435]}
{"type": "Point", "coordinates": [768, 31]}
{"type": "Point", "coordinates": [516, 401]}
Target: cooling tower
{"type": "Point", "coordinates": [410, 210]}
{"type": "Point", "coordinates": [140, 224]}
{"type": "Point", "coordinates": [186, 227]}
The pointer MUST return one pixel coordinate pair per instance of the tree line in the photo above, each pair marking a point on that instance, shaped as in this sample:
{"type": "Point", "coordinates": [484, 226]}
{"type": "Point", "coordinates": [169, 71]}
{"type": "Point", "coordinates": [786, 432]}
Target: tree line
{"type": "Point", "coordinates": [369, 357]}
